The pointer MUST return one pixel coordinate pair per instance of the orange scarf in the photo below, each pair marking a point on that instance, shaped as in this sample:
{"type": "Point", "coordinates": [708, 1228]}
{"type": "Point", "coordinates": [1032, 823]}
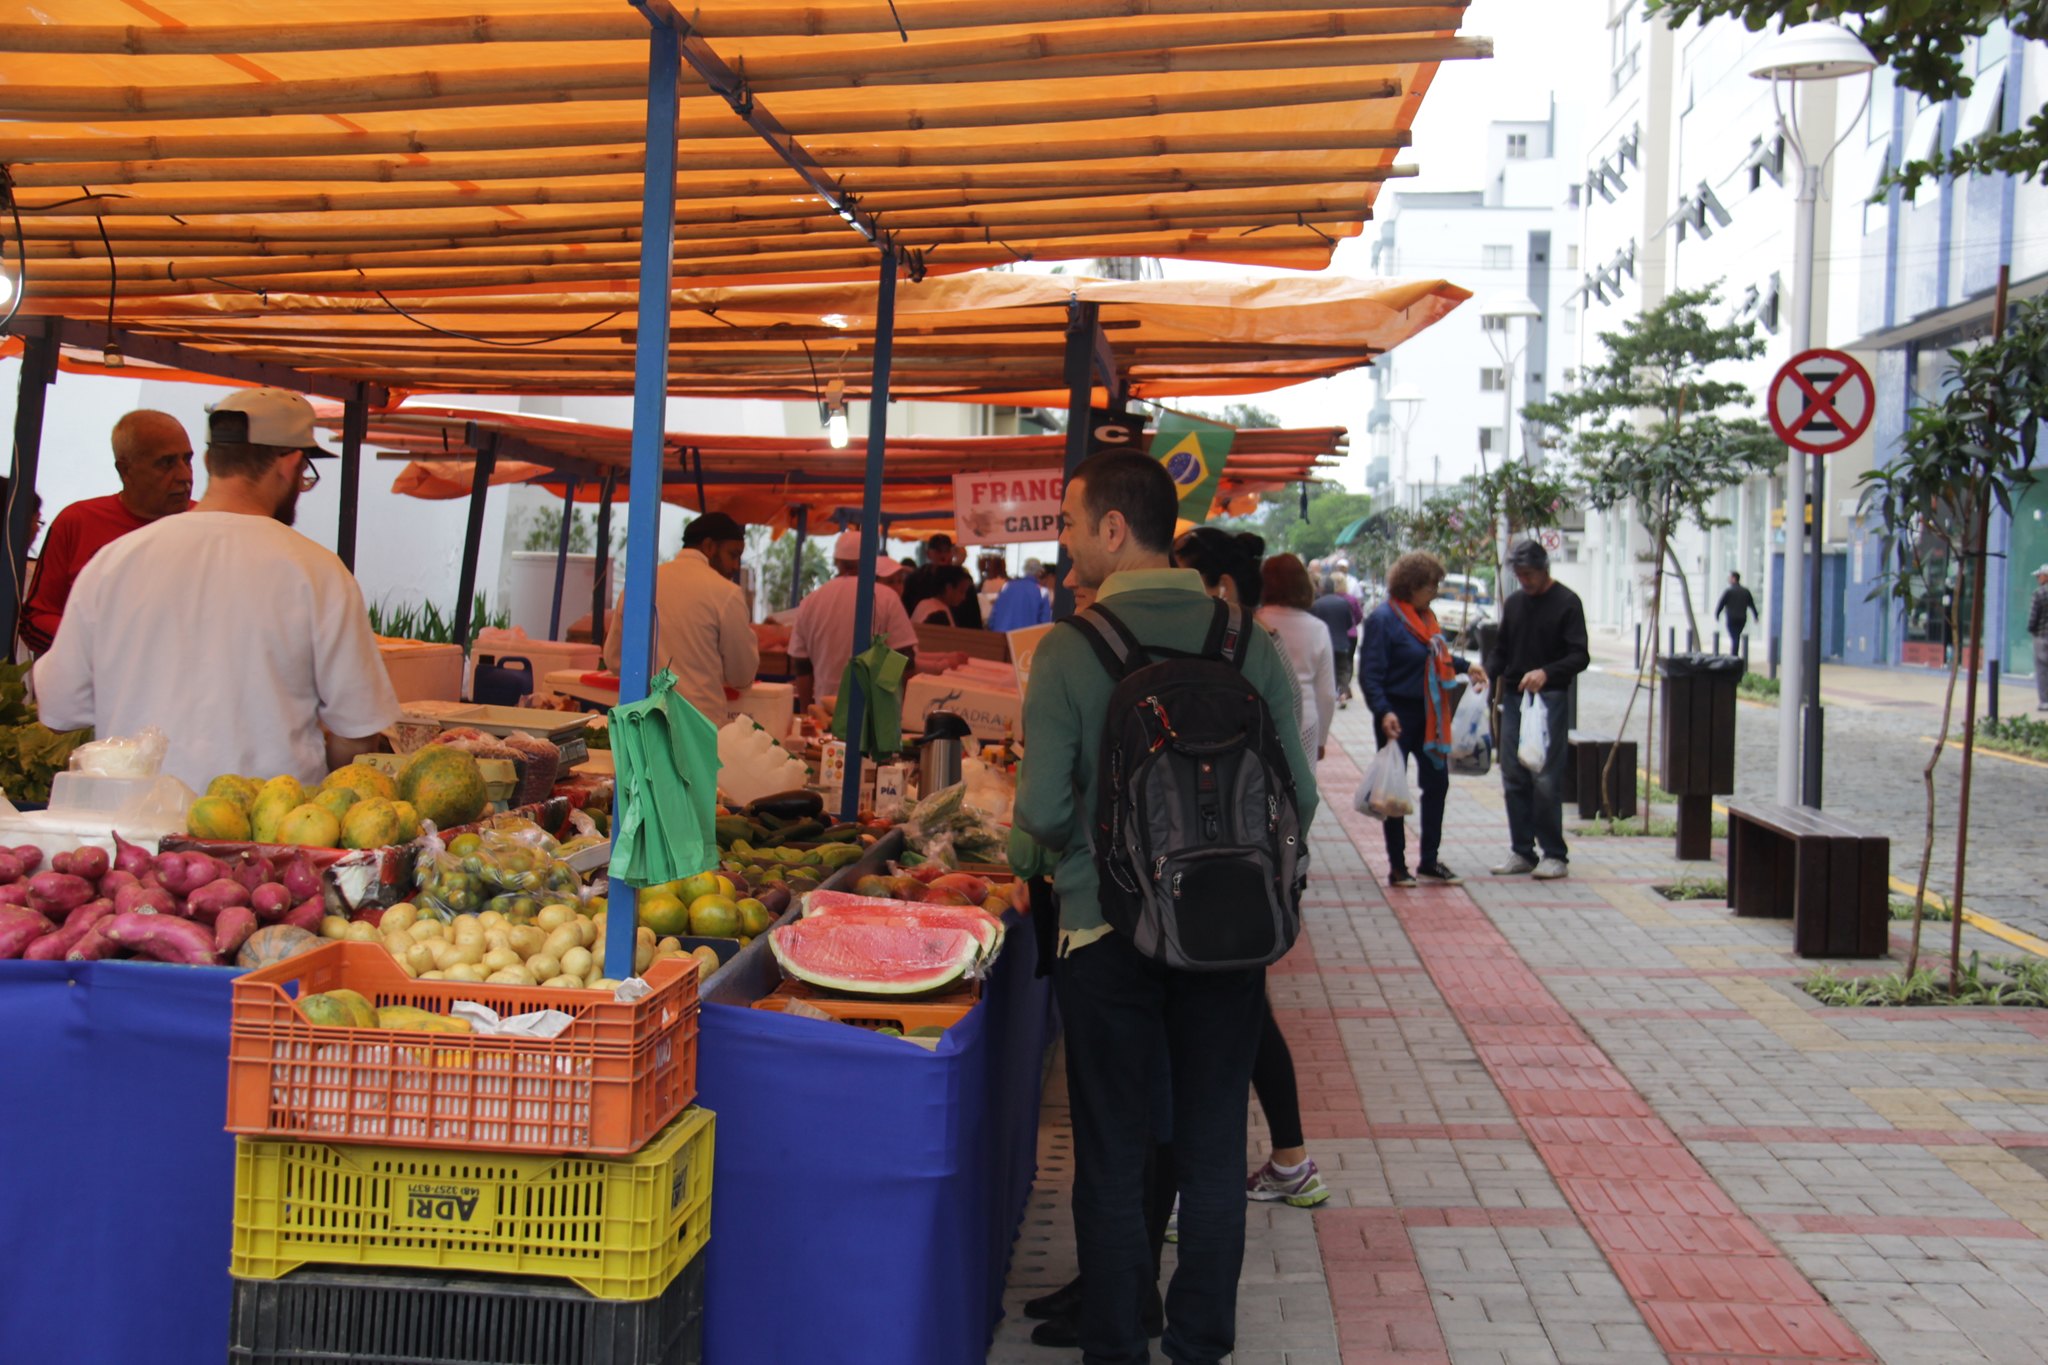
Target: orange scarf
{"type": "Point", "coordinates": [1439, 680]}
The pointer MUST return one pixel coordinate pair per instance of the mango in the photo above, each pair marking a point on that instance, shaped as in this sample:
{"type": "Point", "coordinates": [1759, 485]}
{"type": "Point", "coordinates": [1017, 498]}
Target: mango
{"type": "Point", "coordinates": [240, 790]}
{"type": "Point", "coordinates": [278, 797]}
{"type": "Point", "coordinates": [308, 826]}
{"type": "Point", "coordinates": [335, 801]}
{"type": "Point", "coordinates": [370, 823]}
{"type": "Point", "coordinates": [408, 821]}
{"type": "Point", "coordinates": [217, 817]}
{"type": "Point", "coordinates": [362, 779]}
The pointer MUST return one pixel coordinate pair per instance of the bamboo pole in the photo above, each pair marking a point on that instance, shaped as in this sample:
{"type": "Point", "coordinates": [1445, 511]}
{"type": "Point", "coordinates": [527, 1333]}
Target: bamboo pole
{"type": "Point", "coordinates": [718, 122]}
{"type": "Point", "coordinates": [1256, 43]}
{"type": "Point", "coordinates": [740, 157]}
{"type": "Point", "coordinates": [1301, 168]}
{"type": "Point", "coordinates": [753, 21]}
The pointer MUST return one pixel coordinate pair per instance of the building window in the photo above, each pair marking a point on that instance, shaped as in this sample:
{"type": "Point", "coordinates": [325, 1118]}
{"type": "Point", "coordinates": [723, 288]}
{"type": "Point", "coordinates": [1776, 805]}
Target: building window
{"type": "Point", "coordinates": [1492, 379]}
{"type": "Point", "coordinates": [1489, 440]}
{"type": "Point", "coordinates": [1571, 194]}
{"type": "Point", "coordinates": [1571, 257]}
{"type": "Point", "coordinates": [1496, 258]}
{"type": "Point", "coordinates": [1518, 146]}
{"type": "Point", "coordinates": [1492, 322]}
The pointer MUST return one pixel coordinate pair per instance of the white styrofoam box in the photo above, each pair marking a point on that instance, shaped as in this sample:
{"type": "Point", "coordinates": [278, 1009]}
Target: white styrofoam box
{"type": "Point", "coordinates": [772, 704]}
{"type": "Point", "coordinates": [987, 710]}
{"type": "Point", "coordinates": [85, 811]}
{"type": "Point", "coordinates": [421, 671]}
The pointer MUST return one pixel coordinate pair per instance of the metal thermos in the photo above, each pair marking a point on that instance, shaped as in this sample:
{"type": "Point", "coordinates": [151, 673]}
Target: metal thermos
{"type": "Point", "coordinates": [940, 752]}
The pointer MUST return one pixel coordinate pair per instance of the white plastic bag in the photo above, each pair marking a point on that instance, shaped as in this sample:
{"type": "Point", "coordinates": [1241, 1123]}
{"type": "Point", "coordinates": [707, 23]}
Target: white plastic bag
{"type": "Point", "coordinates": [1383, 791]}
{"type": "Point", "coordinates": [1468, 723]}
{"type": "Point", "coordinates": [1533, 749]}
{"type": "Point", "coordinates": [141, 755]}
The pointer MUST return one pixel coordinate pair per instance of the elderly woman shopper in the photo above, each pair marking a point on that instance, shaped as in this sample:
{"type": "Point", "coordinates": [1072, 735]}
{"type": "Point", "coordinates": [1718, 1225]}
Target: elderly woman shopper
{"type": "Point", "coordinates": [1304, 642]}
{"type": "Point", "coordinates": [1410, 679]}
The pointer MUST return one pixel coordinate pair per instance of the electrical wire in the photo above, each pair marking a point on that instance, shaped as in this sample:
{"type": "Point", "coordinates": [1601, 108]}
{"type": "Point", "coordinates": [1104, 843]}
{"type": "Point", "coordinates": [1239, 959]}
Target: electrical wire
{"type": "Point", "coordinates": [113, 272]}
{"type": "Point", "coordinates": [492, 341]}
{"type": "Point", "coordinates": [20, 249]}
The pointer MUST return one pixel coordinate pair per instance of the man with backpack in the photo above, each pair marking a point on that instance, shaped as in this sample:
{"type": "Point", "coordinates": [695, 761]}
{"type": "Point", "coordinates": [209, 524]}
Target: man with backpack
{"type": "Point", "coordinates": [1177, 810]}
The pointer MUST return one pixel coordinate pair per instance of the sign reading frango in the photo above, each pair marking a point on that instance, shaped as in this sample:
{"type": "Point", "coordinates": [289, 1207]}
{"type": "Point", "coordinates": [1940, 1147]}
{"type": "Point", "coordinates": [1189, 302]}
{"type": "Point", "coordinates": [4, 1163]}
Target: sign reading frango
{"type": "Point", "coordinates": [1005, 509]}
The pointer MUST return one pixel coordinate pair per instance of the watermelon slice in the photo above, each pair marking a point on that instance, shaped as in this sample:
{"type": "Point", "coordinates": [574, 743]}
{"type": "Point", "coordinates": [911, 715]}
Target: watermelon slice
{"type": "Point", "coordinates": [874, 959]}
{"type": "Point", "coordinates": [839, 905]}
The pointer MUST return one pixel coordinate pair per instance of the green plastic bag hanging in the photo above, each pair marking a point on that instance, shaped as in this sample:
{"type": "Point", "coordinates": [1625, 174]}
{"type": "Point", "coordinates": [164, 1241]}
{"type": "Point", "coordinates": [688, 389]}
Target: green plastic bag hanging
{"type": "Point", "coordinates": [878, 673]}
{"type": "Point", "coordinates": [666, 755]}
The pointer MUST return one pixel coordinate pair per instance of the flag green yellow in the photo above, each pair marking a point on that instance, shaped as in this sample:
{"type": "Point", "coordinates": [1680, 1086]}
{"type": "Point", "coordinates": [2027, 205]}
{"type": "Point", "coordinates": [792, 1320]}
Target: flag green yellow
{"type": "Point", "coordinates": [1193, 452]}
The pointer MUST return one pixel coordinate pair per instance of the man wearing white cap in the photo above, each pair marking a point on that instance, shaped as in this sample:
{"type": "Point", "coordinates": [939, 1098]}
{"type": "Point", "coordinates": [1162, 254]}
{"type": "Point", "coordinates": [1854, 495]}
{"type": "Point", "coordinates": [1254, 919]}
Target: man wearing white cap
{"type": "Point", "coordinates": [2037, 626]}
{"type": "Point", "coordinates": [821, 641]}
{"type": "Point", "coordinates": [243, 641]}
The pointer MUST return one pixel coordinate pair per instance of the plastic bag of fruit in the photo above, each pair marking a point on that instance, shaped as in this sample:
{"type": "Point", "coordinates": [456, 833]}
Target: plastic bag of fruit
{"type": "Point", "coordinates": [512, 870]}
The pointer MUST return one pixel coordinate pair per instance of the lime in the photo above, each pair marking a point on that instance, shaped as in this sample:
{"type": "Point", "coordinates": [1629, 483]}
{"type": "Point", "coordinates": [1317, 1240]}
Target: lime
{"type": "Point", "coordinates": [664, 914]}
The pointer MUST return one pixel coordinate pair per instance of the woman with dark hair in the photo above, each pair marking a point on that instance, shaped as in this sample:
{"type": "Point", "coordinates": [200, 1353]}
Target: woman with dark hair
{"type": "Point", "coordinates": [1409, 677]}
{"type": "Point", "coordinates": [943, 589]}
{"type": "Point", "coordinates": [1304, 642]}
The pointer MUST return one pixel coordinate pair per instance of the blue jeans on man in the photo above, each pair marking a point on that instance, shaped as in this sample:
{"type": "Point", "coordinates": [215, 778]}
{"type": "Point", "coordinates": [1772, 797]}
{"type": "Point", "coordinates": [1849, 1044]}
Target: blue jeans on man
{"type": "Point", "coordinates": [1535, 800]}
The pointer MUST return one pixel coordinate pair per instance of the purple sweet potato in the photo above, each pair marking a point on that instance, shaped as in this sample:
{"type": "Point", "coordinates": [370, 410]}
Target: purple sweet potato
{"type": "Point", "coordinates": [251, 869]}
{"type": "Point", "coordinates": [165, 938]}
{"type": "Point", "coordinates": [96, 943]}
{"type": "Point", "coordinates": [145, 900]}
{"type": "Point", "coordinates": [18, 929]}
{"type": "Point", "coordinates": [209, 900]}
{"type": "Point", "coordinates": [184, 873]}
{"type": "Point", "coordinates": [10, 868]}
{"type": "Point", "coordinates": [15, 893]}
{"type": "Point", "coordinates": [58, 893]}
{"type": "Point", "coordinates": [115, 880]}
{"type": "Point", "coordinates": [132, 858]}
{"type": "Point", "coordinates": [270, 901]}
{"type": "Point", "coordinates": [90, 864]}
{"type": "Point", "coordinates": [300, 877]}
{"type": "Point", "coordinates": [232, 929]}
{"type": "Point", "coordinates": [307, 914]}
{"type": "Point", "coordinates": [53, 947]}
{"type": "Point", "coordinates": [31, 858]}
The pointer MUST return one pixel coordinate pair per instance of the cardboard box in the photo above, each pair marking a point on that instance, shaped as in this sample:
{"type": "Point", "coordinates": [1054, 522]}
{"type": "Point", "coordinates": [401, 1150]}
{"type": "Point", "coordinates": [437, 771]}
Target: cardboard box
{"type": "Point", "coordinates": [987, 710]}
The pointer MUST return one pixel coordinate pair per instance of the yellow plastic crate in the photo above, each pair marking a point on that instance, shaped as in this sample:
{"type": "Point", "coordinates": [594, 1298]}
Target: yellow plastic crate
{"type": "Point", "coordinates": [618, 1227]}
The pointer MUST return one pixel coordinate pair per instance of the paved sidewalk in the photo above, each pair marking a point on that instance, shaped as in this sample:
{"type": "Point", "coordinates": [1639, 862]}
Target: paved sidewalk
{"type": "Point", "coordinates": [1575, 1122]}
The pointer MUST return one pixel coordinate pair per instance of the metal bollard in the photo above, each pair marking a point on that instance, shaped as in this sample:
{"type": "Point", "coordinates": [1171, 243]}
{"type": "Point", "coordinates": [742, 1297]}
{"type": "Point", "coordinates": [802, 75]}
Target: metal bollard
{"type": "Point", "coordinates": [1992, 670]}
{"type": "Point", "coordinates": [1639, 646]}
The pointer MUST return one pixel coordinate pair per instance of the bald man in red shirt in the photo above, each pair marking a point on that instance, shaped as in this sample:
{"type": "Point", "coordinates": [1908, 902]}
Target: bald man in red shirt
{"type": "Point", "coordinates": [153, 456]}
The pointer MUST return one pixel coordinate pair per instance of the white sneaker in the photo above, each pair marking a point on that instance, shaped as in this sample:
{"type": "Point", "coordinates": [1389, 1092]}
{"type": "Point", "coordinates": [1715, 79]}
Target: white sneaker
{"type": "Point", "coordinates": [1550, 869]}
{"type": "Point", "coordinates": [1515, 866]}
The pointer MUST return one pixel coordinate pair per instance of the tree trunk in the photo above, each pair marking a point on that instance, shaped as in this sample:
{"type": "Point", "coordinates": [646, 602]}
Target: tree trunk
{"type": "Point", "coordinates": [1662, 530]}
{"type": "Point", "coordinates": [1948, 705]}
{"type": "Point", "coordinates": [1979, 534]}
{"type": "Point", "coordinates": [1692, 620]}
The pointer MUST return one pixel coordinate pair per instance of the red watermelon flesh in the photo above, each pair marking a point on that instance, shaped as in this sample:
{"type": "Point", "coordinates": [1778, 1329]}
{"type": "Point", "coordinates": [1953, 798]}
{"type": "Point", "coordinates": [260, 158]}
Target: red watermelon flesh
{"type": "Point", "coordinates": [873, 959]}
{"type": "Point", "coordinates": [839, 905]}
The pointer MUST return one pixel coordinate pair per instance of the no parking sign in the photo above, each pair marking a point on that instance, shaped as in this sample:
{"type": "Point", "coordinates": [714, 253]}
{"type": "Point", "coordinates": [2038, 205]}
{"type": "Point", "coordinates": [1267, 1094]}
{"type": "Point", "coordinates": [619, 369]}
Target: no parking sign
{"type": "Point", "coordinates": [1821, 401]}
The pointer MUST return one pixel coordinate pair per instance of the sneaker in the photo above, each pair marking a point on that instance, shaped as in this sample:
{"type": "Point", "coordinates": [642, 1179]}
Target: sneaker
{"type": "Point", "coordinates": [1437, 872]}
{"type": "Point", "coordinates": [1400, 876]}
{"type": "Point", "coordinates": [1173, 1222]}
{"type": "Point", "coordinates": [1550, 869]}
{"type": "Point", "coordinates": [1515, 866]}
{"type": "Point", "coordinates": [1303, 1191]}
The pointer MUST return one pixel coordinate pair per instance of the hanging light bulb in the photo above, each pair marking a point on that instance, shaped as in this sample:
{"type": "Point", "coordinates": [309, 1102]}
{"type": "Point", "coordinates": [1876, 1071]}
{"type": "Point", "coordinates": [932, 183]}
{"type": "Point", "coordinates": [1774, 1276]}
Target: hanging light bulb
{"type": "Point", "coordinates": [835, 414]}
{"type": "Point", "coordinates": [6, 286]}
{"type": "Point", "coordinates": [111, 357]}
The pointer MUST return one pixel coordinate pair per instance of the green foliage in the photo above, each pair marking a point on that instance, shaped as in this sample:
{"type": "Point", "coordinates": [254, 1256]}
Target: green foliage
{"type": "Point", "coordinates": [1757, 687]}
{"type": "Point", "coordinates": [2024, 985]}
{"type": "Point", "coordinates": [31, 753]}
{"type": "Point", "coordinates": [427, 623]}
{"type": "Point", "coordinates": [544, 530]}
{"type": "Point", "coordinates": [1657, 827]}
{"type": "Point", "coordinates": [1938, 911]}
{"type": "Point", "coordinates": [2015, 735]}
{"type": "Point", "coordinates": [1530, 497]}
{"type": "Point", "coordinates": [1453, 528]}
{"type": "Point", "coordinates": [1696, 889]}
{"type": "Point", "coordinates": [1240, 415]}
{"type": "Point", "coordinates": [774, 559]}
{"type": "Point", "coordinates": [1925, 43]}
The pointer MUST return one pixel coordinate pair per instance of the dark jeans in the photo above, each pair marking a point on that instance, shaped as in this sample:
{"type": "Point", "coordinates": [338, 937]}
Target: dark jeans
{"type": "Point", "coordinates": [1345, 657]}
{"type": "Point", "coordinates": [1118, 1006]}
{"type": "Point", "coordinates": [1535, 801]}
{"type": "Point", "coordinates": [1273, 1080]}
{"type": "Point", "coordinates": [1434, 781]}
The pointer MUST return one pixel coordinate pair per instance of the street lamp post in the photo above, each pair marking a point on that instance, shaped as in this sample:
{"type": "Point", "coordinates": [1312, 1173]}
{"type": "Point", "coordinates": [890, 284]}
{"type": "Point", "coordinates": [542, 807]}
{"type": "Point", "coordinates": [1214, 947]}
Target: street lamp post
{"type": "Point", "coordinates": [1804, 54]}
{"type": "Point", "coordinates": [1406, 399]}
{"type": "Point", "coordinates": [1506, 311]}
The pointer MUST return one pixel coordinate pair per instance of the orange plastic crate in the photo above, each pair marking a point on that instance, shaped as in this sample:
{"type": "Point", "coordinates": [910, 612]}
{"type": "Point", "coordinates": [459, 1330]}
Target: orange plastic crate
{"type": "Point", "coordinates": [607, 1084]}
{"type": "Point", "coordinates": [868, 1012]}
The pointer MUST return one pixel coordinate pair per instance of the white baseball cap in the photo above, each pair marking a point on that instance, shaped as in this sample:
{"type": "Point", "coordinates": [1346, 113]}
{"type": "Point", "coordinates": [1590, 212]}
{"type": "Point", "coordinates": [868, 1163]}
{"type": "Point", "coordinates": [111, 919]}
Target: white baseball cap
{"type": "Point", "coordinates": [846, 550]}
{"type": "Point", "coordinates": [265, 417]}
{"type": "Point", "coordinates": [2042, 571]}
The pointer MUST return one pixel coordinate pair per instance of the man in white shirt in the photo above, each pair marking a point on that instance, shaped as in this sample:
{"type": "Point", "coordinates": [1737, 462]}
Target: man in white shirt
{"type": "Point", "coordinates": [702, 629]}
{"type": "Point", "coordinates": [243, 641]}
{"type": "Point", "coordinates": [822, 640]}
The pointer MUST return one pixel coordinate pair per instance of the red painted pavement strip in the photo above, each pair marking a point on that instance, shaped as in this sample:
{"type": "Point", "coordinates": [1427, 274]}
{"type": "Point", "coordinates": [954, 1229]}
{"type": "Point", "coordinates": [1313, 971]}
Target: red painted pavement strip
{"type": "Point", "coordinates": [1705, 1277]}
{"type": "Point", "coordinates": [1466, 1217]}
{"type": "Point", "coordinates": [1383, 1308]}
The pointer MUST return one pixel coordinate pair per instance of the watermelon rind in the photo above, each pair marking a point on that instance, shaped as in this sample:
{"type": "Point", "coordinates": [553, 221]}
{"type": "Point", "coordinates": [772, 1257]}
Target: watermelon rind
{"type": "Point", "coordinates": [873, 959]}
{"type": "Point", "coordinates": [874, 910]}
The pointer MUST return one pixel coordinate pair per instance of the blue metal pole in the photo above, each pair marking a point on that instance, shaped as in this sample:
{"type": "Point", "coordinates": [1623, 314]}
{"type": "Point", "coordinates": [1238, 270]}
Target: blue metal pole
{"type": "Point", "coordinates": [796, 562]}
{"type": "Point", "coordinates": [870, 524]}
{"type": "Point", "coordinates": [562, 560]}
{"type": "Point", "coordinates": [650, 407]}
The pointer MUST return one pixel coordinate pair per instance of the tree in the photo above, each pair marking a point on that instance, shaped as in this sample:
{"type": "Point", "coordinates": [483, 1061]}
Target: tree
{"type": "Point", "coordinates": [1453, 528]}
{"type": "Point", "coordinates": [544, 530]}
{"type": "Point", "coordinates": [1377, 543]}
{"type": "Point", "coordinates": [1924, 43]}
{"type": "Point", "coordinates": [1243, 416]}
{"type": "Point", "coordinates": [1653, 431]}
{"type": "Point", "coordinates": [773, 558]}
{"type": "Point", "coordinates": [1963, 454]}
{"type": "Point", "coordinates": [1527, 495]}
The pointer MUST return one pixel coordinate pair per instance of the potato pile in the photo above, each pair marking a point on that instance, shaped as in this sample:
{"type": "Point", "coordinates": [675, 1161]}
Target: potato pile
{"type": "Point", "coordinates": [563, 947]}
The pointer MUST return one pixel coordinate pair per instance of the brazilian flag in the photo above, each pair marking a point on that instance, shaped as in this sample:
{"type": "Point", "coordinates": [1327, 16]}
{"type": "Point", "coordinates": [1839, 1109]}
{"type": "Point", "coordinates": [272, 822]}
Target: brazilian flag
{"type": "Point", "coordinates": [1193, 452]}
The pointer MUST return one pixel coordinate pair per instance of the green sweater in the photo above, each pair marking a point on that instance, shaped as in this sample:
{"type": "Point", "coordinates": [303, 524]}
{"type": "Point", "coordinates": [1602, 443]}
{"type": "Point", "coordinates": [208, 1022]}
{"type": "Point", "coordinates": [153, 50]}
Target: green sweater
{"type": "Point", "coordinates": [1063, 716]}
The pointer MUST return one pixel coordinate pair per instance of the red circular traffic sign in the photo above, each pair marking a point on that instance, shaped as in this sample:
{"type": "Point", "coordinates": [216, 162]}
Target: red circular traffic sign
{"type": "Point", "coordinates": [1821, 401]}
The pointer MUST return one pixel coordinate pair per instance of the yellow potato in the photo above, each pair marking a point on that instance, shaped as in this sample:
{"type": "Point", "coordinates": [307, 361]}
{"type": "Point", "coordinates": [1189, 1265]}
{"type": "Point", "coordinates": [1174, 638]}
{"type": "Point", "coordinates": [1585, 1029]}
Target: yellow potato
{"type": "Point", "coordinates": [577, 962]}
{"type": "Point", "coordinates": [671, 944]}
{"type": "Point", "coordinates": [421, 957]}
{"type": "Point", "coordinates": [498, 938]}
{"type": "Point", "coordinates": [407, 967]}
{"type": "Point", "coordinates": [334, 926]}
{"type": "Point", "coordinates": [399, 917]}
{"type": "Point", "coordinates": [433, 976]}
{"type": "Point", "coordinates": [492, 919]}
{"type": "Point", "coordinates": [464, 972]}
{"type": "Point", "coordinates": [361, 931]}
{"type": "Point", "coordinates": [554, 916]}
{"type": "Point", "coordinates": [510, 976]}
{"type": "Point", "coordinates": [422, 930]}
{"type": "Point", "coordinates": [527, 939]}
{"type": "Point", "coordinates": [544, 965]}
{"type": "Point", "coordinates": [643, 958]}
{"type": "Point", "coordinates": [397, 945]}
{"type": "Point", "coordinates": [604, 983]}
{"type": "Point", "coordinates": [498, 959]}
{"type": "Point", "coordinates": [565, 982]}
{"type": "Point", "coordinates": [465, 919]}
{"type": "Point", "coordinates": [586, 930]}
{"type": "Point", "coordinates": [560, 940]}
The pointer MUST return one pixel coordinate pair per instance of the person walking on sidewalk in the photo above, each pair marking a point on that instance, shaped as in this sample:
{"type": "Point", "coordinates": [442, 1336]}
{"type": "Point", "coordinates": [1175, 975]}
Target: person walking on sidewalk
{"type": "Point", "coordinates": [1117, 517]}
{"type": "Point", "coordinates": [1540, 649]}
{"type": "Point", "coordinates": [1409, 677]}
{"type": "Point", "coordinates": [1736, 607]}
{"type": "Point", "coordinates": [2037, 626]}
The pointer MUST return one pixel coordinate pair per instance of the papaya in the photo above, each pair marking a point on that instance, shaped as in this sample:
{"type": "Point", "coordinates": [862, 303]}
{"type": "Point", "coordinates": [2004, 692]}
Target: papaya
{"type": "Point", "coordinates": [419, 1020]}
{"type": "Point", "coordinates": [339, 1009]}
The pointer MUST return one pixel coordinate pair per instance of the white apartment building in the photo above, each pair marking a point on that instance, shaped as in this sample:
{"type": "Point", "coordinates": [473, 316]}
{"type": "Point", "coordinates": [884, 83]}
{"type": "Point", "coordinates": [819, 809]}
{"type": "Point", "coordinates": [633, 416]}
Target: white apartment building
{"type": "Point", "coordinates": [1515, 238]}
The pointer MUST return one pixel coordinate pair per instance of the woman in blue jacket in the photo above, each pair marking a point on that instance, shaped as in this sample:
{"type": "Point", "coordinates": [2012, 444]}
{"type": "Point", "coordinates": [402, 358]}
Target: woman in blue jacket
{"type": "Point", "coordinates": [1410, 679]}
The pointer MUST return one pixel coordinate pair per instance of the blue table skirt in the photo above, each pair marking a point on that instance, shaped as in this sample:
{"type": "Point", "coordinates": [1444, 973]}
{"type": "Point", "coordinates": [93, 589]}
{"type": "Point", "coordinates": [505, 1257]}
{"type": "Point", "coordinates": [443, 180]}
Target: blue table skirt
{"type": "Point", "coordinates": [865, 1198]}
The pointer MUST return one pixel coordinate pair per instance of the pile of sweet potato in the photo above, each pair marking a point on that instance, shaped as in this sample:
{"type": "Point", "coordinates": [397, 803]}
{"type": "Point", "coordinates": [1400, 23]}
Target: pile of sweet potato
{"type": "Point", "coordinates": [190, 908]}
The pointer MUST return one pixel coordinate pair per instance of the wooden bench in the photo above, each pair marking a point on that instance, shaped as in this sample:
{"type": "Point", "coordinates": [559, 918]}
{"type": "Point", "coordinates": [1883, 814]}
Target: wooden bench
{"type": "Point", "coordinates": [1831, 879]}
{"type": "Point", "coordinates": [1585, 759]}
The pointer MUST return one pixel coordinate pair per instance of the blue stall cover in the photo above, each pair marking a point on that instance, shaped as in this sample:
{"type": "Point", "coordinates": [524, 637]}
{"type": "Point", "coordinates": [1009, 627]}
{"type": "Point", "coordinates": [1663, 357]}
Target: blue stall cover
{"type": "Point", "coordinates": [117, 1205]}
{"type": "Point", "coordinates": [864, 1203]}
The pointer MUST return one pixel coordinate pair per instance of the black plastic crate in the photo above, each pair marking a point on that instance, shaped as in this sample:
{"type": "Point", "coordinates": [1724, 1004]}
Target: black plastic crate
{"type": "Point", "coordinates": [314, 1317]}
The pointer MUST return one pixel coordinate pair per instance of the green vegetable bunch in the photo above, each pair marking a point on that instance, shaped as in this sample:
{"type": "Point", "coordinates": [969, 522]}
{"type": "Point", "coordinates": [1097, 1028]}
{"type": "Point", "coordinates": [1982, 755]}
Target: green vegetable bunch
{"type": "Point", "coordinates": [31, 753]}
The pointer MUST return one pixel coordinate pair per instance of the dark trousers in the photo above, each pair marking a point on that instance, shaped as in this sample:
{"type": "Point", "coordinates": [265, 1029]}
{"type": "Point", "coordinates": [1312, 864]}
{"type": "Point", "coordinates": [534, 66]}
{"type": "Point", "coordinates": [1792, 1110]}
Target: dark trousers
{"type": "Point", "coordinates": [1346, 656]}
{"type": "Point", "coordinates": [1273, 1080]}
{"type": "Point", "coordinates": [1433, 780]}
{"type": "Point", "coordinates": [1119, 1009]}
{"type": "Point", "coordinates": [1535, 801]}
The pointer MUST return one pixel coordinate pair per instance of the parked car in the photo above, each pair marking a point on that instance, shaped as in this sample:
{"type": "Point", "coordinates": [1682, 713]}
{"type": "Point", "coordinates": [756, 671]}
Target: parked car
{"type": "Point", "coordinates": [1462, 604]}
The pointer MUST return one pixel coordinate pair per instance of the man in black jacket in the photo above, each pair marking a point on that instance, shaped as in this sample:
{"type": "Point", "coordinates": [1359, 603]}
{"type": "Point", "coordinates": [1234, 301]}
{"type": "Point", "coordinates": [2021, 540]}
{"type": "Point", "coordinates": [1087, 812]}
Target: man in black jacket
{"type": "Point", "coordinates": [1540, 649]}
{"type": "Point", "coordinates": [1736, 607]}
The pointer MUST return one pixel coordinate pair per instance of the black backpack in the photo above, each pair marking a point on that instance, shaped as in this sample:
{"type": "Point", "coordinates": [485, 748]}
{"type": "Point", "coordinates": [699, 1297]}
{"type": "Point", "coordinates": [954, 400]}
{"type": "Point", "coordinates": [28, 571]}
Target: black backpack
{"type": "Point", "coordinates": [1198, 840]}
